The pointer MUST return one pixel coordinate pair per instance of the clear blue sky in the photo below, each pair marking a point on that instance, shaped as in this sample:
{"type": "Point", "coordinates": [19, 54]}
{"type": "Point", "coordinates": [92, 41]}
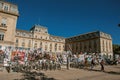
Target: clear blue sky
{"type": "Point", "coordinates": [71, 17]}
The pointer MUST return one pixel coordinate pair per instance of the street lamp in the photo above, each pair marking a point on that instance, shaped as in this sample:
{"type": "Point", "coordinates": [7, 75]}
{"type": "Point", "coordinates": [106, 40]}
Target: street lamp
{"type": "Point", "coordinates": [118, 25]}
{"type": "Point", "coordinates": [68, 59]}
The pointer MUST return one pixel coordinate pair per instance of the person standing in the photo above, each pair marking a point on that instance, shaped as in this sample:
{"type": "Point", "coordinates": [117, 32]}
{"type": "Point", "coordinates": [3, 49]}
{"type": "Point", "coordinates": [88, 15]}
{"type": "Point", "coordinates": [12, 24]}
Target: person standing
{"type": "Point", "coordinates": [68, 62]}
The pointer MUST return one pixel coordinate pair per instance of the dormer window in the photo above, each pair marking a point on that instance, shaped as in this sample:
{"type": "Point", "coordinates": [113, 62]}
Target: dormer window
{"type": "Point", "coordinates": [31, 31]}
{"type": "Point", "coordinates": [36, 30]}
{"type": "Point", "coordinates": [30, 35]}
{"type": "Point", "coordinates": [13, 8]}
{"type": "Point", "coordinates": [45, 31]}
{"type": "Point", "coordinates": [23, 34]}
{"type": "Point", "coordinates": [17, 34]}
{"type": "Point", "coordinates": [6, 8]}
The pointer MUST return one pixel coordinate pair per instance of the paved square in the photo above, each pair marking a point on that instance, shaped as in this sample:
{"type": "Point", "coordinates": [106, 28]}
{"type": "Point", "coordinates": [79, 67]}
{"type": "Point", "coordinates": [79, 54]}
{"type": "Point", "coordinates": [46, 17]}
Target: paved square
{"type": "Point", "coordinates": [111, 73]}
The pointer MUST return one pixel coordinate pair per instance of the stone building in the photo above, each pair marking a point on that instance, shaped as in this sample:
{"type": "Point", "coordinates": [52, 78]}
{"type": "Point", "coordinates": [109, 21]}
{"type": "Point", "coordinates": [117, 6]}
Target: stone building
{"type": "Point", "coordinates": [38, 37]}
{"type": "Point", "coordinates": [8, 19]}
{"type": "Point", "coordinates": [93, 42]}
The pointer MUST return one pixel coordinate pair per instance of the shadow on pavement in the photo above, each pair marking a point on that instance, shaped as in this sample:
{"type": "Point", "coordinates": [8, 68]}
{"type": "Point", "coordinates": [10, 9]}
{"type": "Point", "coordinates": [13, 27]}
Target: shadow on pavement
{"type": "Point", "coordinates": [34, 76]}
{"type": "Point", "coordinates": [117, 67]}
{"type": "Point", "coordinates": [113, 72]}
{"type": "Point", "coordinates": [109, 72]}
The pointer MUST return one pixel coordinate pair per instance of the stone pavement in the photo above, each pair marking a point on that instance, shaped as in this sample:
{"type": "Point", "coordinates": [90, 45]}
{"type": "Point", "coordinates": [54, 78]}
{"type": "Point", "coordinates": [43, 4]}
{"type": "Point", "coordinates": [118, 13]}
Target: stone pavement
{"type": "Point", "coordinates": [111, 73]}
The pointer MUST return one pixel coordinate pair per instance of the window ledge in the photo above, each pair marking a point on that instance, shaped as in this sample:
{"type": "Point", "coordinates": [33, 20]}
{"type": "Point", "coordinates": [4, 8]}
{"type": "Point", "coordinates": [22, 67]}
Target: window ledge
{"type": "Point", "coordinates": [3, 27]}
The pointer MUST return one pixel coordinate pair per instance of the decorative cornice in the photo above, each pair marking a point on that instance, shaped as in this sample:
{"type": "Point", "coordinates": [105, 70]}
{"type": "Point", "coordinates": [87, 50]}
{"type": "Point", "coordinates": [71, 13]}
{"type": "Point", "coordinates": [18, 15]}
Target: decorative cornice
{"type": "Point", "coordinates": [10, 13]}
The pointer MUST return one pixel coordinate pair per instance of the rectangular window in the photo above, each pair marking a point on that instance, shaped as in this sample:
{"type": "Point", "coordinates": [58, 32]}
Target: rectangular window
{"type": "Point", "coordinates": [16, 40]}
{"type": "Point", "coordinates": [29, 43]}
{"type": "Point", "coordinates": [1, 37]}
{"type": "Point", "coordinates": [23, 44]}
{"type": "Point", "coordinates": [103, 45]}
{"type": "Point", "coordinates": [23, 34]}
{"type": "Point", "coordinates": [1, 5]}
{"type": "Point", "coordinates": [59, 47]}
{"type": "Point", "coordinates": [4, 22]}
{"type": "Point", "coordinates": [109, 46]}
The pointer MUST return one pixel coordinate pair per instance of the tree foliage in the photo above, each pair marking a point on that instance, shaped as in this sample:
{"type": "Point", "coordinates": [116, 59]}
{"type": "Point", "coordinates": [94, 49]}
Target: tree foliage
{"type": "Point", "coordinates": [116, 48]}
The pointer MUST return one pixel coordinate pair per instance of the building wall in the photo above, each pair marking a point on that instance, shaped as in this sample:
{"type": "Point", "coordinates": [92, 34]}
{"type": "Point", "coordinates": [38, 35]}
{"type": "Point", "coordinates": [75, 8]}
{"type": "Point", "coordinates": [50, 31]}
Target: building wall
{"type": "Point", "coordinates": [89, 45]}
{"type": "Point", "coordinates": [106, 47]}
{"type": "Point", "coordinates": [93, 42]}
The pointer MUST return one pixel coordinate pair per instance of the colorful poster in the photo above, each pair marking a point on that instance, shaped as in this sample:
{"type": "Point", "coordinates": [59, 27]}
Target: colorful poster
{"type": "Point", "coordinates": [18, 56]}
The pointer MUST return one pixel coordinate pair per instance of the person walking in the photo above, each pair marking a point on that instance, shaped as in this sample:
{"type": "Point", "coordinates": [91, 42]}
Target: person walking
{"type": "Point", "coordinates": [102, 65]}
{"type": "Point", "coordinates": [92, 63]}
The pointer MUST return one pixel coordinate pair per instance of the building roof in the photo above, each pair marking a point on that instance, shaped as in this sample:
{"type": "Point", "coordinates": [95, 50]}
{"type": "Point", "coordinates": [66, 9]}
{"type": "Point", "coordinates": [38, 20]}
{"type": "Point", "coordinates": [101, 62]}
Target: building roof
{"type": "Point", "coordinates": [38, 26]}
{"type": "Point", "coordinates": [57, 36]}
{"type": "Point", "coordinates": [23, 31]}
{"type": "Point", "coordinates": [91, 35]}
{"type": "Point", "coordinates": [8, 2]}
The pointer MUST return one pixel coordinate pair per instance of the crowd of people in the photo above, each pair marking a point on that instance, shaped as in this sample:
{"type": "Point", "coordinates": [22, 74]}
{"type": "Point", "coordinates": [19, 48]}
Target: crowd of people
{"type": "Point", "coordinates": [35, 60]}
{"type": "Point", "coordinates": [21, 60]}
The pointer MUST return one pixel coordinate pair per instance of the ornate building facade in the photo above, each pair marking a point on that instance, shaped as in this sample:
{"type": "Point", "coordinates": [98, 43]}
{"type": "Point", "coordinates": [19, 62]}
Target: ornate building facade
{"type": "Point", "coordinates": [38, 37]}
{"type": "Point", "coordinates": [93, 42]}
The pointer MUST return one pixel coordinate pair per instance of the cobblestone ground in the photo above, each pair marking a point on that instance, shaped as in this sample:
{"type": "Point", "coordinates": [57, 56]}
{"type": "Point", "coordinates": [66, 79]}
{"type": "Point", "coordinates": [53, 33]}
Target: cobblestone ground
{"type": "Point", "coordinates": [111, 73]}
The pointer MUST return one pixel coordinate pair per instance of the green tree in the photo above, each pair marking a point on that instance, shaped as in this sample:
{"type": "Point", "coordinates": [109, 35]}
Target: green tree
{"type": "Point", "coordinates": [116, 49]}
